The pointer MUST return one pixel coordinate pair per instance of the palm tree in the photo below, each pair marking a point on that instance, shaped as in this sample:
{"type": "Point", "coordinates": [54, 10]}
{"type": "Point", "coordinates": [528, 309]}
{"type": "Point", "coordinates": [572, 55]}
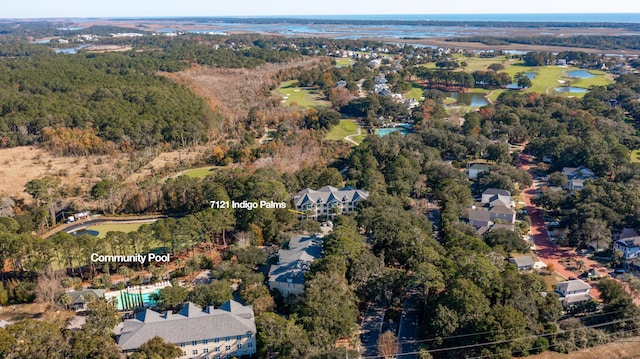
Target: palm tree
{"type": "Point", "coordinates": [65, 300]}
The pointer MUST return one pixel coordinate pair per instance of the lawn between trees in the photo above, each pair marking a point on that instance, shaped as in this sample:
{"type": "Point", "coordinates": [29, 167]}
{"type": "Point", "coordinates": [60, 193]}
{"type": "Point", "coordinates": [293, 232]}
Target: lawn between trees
{"type": "Point", "coordinates": [302, 96]}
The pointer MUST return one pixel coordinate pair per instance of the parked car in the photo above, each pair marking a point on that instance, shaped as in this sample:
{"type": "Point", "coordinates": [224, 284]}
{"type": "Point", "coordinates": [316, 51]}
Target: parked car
{"type": "Point", "coordinates": [365, 336]}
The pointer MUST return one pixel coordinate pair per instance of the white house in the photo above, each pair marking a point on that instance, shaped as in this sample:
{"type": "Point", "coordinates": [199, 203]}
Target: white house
{"type": "Point", "coordinates": [477, 168]}
{"type": "Point", "coordinates": [572, 292]}
{"type": "Point", "coordinates": [495, 205]}
{"type": "Point", "coordinates": [628, 244]}
{"type": "Point", "coordinates": [226, 332]}
{"type": "Point", "coordinates": [577, 176]}
{"type": "Point", "coordinates": [327, 202]}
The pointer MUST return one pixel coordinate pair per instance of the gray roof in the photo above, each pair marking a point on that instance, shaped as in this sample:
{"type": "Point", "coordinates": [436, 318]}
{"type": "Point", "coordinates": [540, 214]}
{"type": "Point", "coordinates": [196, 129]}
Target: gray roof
{"type": "Point", "coordinates": [571, 299]}
{"type": "Point", "coordinates": [628, 232]}
{"type": "Point", "coordinates": [577, 172]}
{"type": "Point", "coordinates": [629, 242]}
{"type": "Point", "coordinates": [501, 192]}
{"type": "Point", "coordinates": [573, 285]}
{"type": "Point", "coordinates": [80, 296]}
{"type": "Point", "coordinates": [328, 194]}
{"type": "Point", "coordinates": [525, 261]}
{"type": "Point", "coordinates": [502, 210]}
{"type": "Point", "coordinates": [509, 227]}
{"type": "Point", "coordinates": [480, 214]}
{"type": "Point", "coordinates": [479, 167]}
{"type": "Point", "coordinates": [295, 261]}
{"type": "Point", "coordinates": [190, 323]}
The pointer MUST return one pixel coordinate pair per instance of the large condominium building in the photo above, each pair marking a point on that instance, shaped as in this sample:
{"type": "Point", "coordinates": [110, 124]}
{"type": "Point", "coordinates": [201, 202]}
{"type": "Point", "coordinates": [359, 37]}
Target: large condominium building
{"type": "Point", "coordinates": [327, 202]}
{"type": "Point", "coordinates": [222, 333]}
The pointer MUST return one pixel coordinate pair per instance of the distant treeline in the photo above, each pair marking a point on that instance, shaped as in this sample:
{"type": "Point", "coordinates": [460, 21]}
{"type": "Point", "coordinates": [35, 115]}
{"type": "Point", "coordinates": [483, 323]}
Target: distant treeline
{"type": "Point", "coordinates": [625, 42]}
{"type": "Point", "coordinates": [512, 24]}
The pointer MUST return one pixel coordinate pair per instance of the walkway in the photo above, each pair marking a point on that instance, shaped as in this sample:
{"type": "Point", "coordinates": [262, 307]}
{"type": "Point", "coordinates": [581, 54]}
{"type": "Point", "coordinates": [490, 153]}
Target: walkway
{"type": "Point", "coordinates": [348, 138]}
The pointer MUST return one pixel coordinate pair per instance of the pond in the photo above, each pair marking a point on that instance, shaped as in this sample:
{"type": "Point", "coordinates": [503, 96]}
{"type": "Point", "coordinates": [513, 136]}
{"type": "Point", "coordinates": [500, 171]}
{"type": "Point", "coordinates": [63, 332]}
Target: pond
{"type": "Point", "coordinates": [570, 89]}
{"type": "Point", "coordinates": [85, 231]}
{"type": "Point", "coordinates": [582, 74]}
{"type": "Point", "coordinates": [469, 99]}
{"type": "Point", "coordinates": [514, 86]}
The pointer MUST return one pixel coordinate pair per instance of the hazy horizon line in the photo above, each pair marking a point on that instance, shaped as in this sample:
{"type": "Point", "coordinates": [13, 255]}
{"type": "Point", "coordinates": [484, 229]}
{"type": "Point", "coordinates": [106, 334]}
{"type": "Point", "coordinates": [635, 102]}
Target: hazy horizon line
{"type": "Point", "coordinates": [311, 16]}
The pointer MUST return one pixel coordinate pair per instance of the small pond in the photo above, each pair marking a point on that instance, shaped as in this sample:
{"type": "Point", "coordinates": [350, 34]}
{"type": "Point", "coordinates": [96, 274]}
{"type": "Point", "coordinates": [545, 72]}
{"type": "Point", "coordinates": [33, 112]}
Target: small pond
{"type": "Point", "coordinates": [571, 89]}
{"type": "Point", "coordinates": [582, 74]}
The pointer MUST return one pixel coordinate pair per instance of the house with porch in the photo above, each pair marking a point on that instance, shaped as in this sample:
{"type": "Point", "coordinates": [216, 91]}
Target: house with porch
{"type": "Point", "coordinates": [628, 243]}
{"type": "Point", "coordinates": [573, 292]}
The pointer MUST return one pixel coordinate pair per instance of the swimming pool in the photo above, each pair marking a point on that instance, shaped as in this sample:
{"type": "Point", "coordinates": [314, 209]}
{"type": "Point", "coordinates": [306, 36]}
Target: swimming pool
{"type": "Point", "coordinates": [129, 300]}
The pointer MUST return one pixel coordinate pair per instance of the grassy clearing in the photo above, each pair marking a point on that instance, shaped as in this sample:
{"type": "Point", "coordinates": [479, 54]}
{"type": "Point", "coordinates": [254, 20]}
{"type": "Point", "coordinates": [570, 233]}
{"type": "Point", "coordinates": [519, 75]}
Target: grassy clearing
{"type": "Point", "coordinates": [199, 172]}
{"type": "Point", "coordinates": [102, 229]}
{"type": "Point", "coordinates": [343, 129]}
{"type": "Point", "coordinates": [416, 92]}
{"type": "Point", "coordinates": [302, 96]}
{"type": "Point", "coordinates": [359, 138]}
{"type": "Point", "coordinates": [344, 62]}
{"type": "Point", "coordinates": [635, 156]}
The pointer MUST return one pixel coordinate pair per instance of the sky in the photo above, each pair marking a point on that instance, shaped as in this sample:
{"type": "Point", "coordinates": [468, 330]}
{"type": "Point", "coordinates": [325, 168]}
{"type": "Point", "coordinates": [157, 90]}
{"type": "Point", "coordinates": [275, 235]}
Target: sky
{"type": "Point", "coordinates": [174, 8]}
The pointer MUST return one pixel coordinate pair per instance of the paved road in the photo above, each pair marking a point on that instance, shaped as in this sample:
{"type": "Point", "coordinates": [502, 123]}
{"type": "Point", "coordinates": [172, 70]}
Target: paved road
{"type": "Point", "coordinates": [372, 324]}
{"type": "Point", "coordinates": [549, 252]}
{"type": "Point", "coordinates": [408, 328]}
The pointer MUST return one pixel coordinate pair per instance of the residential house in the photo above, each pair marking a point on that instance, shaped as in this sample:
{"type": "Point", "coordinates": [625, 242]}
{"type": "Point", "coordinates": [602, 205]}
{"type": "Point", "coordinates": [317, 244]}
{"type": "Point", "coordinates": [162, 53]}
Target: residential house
{"type": "Point", "coordinates": [287, 276]}
{"type": "Point", "coordinates": [572, 292]}
{"type": "Point", "coordinates": [477, 168]}
{"type": "Point", "coordinates": [80, 298]}
{"type": "Point", "coordinates": [495, 206]}
{"type": "Point", "coordinates": [628, 243]}
{"type": "Point", "coordinates": [327, 202]}
{"type": "Point", "coordinates": [226, 332]}
{"type": "Point", "coordinates": [523, 263]}
{"type": "Point", "coordinates": [577, 176]}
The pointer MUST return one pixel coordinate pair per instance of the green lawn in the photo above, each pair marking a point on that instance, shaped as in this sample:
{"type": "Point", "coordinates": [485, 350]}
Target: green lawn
{"type": "Point", "coordinates": [344, 62]}
{"type": "Point", "coordinates": [102, 229]}
{"type": "Point", "coordinates": [199, 172]}
{"type": "Point", "coordinates": [416, 92]}
{"type": "Point", "coordinates": [359, 138]}
{"type": "Point", "coordinates": [635, 156]}
{"type": "Point", "coordinates": [548, 77]}
{"type": "Point", "coordinates": [343, 129]}
{"type": "Point", "coordinates": [302, 96]}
